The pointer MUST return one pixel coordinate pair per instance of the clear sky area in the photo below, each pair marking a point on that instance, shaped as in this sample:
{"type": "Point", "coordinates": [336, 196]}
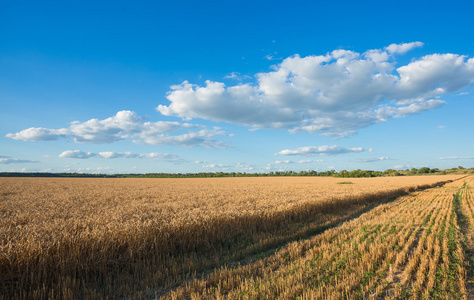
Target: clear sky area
{"type": "Point", "coordinates": [235, 86]}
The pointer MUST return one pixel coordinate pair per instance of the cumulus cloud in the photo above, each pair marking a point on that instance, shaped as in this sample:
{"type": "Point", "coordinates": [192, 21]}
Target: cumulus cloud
{"type": "Point", "coordinates": [373, 159]}
{"type": "Point", "coordinates": [38, 134]}
{"type": "Point", "coordinates": [111, 155]}
{"type": "Point", "coordinates": [320, 150]}
{"type": "Point", "coordinates": [333, 94]}
{"type": "Point", "coordinates": [10, 160]}
{"type": "Point", "coordinates": [125, 125]}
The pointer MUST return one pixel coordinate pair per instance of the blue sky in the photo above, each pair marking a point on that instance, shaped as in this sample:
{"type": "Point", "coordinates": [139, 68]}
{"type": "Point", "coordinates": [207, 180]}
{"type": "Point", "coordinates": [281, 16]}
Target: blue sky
{"type": "Point", "coordinates": [243, 86]}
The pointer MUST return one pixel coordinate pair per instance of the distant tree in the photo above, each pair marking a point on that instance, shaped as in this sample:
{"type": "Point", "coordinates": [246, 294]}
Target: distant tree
{"type": "Point", "coordinates": [423, 170]}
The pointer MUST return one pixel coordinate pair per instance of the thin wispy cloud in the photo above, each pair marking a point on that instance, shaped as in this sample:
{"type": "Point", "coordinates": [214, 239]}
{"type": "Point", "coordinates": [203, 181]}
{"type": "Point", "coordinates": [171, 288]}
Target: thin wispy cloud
{"type": "Point", "coordinates": [237, 76]}
{"type": "Point", "coordinates": [97, 170]}
{"type": "Point", "coordinates": [399, 167]}
{"type": "Point", "coordinates": [77, 154]}
{"type": "Point", "coordinates": [11, 160]}
{"type": "Point", "coordinates": [321, 150]}
{"type": "Point", "coordinates": [225, 167]}
{"type": "Point", "coordinates": [375, 159]}
{"type": "Point", "coordinates": [322, 93]}
{"type": "Point", "coordinates": [279, 162]}
{"type": "Point", "coordinates": [272, 57]}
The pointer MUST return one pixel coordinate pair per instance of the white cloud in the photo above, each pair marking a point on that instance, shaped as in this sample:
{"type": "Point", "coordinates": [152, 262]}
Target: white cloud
{"type": "Point", "coordinates": [320, 150]}
{"type": "Point", "coordinates": [38, 134]}
{"type": "Point", "coordinates": [304, 161]}
{"type": "Point", "coordinates": [278, 162]}
{"type": "Point", "coordinates": [77, 154]}
{"type": "Point", "coordinates": [111, 155]}
{"type": "Point", "coordinates": [333, 94]}
{"type": "Point", "coordinates": [125, 125]}
{"type": "Point", "coordinates": [403, 48]}
{"type": "Point", "coordinates": [238, 104]}
{"type": "Point", "coordinates": [435, 74]}
{"type": "Point", "coordinates": [10, 160]}
{"type": "Point", "coordinates": [373, 159]}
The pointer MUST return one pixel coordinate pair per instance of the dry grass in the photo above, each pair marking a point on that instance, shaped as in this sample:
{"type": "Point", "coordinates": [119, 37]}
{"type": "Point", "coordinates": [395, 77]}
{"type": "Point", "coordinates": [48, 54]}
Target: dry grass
{"type": "Point", "coordinates": [69, 238]}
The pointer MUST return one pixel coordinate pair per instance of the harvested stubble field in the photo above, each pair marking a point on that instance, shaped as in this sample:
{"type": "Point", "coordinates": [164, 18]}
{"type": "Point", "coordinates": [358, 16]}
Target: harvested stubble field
{"type": "Point", "coordinates": [284, 237]}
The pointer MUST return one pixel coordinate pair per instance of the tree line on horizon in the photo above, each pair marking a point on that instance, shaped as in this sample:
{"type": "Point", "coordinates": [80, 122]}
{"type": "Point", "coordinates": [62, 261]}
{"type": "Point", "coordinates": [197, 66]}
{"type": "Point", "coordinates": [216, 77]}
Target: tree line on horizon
{"type": "Point", "coordinates": [331, 173]}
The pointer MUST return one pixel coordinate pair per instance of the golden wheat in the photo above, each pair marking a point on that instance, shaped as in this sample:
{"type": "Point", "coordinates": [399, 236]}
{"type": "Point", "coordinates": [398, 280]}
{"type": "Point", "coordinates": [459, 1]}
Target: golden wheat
{"type": "Point", "coordinates": [60, 238]}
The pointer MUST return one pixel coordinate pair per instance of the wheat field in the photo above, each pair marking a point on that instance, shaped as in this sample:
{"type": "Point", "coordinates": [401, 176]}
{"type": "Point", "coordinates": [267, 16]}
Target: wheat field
{"type": "Point", "coordinates": [410, 248]}
{"type": "Point", "coordinates": [259, 238]}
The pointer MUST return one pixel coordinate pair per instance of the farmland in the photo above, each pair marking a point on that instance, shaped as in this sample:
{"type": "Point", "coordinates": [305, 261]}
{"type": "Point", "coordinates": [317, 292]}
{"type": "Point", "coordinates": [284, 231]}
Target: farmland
{"type": "Point", "coordinates": [236, 238]}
